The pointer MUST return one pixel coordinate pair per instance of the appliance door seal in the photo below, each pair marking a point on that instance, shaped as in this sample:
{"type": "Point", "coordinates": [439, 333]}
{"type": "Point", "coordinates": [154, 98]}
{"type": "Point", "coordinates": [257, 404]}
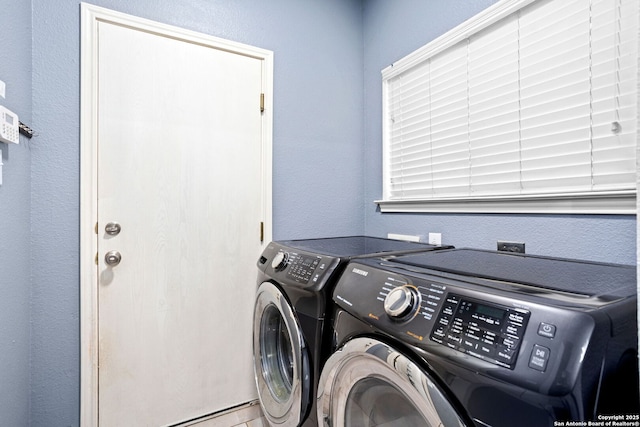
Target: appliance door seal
{"type": "Point", "coordinates": [281, 359]}
{"type": "Point", "coordinates": [367, 382]}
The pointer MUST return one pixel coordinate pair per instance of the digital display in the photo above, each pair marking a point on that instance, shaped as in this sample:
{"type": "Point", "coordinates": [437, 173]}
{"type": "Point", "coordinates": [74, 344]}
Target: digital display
{"type": "Point", "coordinates": [9, 119]}
{"type": "Point", "coordinates": [490, 311]}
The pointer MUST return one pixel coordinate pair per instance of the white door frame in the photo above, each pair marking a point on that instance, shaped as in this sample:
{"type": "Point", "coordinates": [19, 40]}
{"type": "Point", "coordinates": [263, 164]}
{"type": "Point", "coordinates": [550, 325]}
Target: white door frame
{"type": "Point", "coordinates": [90, 17]}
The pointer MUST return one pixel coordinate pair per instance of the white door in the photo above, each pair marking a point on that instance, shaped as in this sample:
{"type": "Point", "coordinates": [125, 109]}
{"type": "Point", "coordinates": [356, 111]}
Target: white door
{"type": "Point", "coordinates": [180, 169]}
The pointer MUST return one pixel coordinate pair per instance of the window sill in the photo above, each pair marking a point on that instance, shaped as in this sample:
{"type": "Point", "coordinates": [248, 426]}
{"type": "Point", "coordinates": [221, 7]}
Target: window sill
{"type": "Point", "coordinates": [611, 203]}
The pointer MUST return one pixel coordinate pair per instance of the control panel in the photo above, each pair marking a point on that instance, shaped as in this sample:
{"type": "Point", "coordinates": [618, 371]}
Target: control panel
{"type": "Point", "coordinates": [499, 334]}
{"type": "Point", "coordinates": [487, 331]}
{"type": "Point", "coordinates": [303, 267]}
{"type": "Point", "coordinates": [9, 126]}
{"type": "Point", "coordinates": [296, 267]}
{"type": "Point", "coordinates": [299, 267]}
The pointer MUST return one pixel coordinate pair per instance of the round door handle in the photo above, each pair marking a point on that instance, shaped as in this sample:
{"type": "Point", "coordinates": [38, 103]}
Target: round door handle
{"type": "Point", "coordinates": [112, 258]}
{"type": "Point", "coordinates": [112, 229]}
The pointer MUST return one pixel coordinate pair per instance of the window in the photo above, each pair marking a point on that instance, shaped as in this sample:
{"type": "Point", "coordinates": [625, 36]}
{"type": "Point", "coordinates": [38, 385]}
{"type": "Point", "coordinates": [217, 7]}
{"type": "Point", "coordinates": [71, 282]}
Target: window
{"type": "Point", "coordinates": [530, 106]}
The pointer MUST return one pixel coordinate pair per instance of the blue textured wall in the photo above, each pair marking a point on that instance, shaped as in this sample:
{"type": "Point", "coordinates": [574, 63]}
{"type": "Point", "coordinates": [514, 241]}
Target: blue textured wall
{"type": "Point", "coordinates": [393, 29]}
{"type": "Point", "coordinates": [327, 161]}
{"type": "Point", "coordinates": [317, 146]}
{"type": "Point", "coordinates": [15, 202]}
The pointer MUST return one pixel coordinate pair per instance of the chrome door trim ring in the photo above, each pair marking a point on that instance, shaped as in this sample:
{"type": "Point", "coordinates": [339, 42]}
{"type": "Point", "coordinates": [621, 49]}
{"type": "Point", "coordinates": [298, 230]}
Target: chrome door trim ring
{"type": "Point", "coordinates": [365, 357]}
{"type": "Point", "coordinates": [279, 413]}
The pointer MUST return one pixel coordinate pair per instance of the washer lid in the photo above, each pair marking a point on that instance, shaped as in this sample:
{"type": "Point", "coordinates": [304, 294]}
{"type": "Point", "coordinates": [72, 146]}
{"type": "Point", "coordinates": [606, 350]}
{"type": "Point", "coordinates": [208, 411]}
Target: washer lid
{"type": "Point", "coordinates": [566, 275]}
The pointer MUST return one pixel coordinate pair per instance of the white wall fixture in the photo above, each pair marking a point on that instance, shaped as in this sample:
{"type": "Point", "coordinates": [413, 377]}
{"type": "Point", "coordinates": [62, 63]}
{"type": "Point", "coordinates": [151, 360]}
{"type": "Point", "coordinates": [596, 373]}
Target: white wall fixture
{"type": "Point", "coordinates": [9, 126]}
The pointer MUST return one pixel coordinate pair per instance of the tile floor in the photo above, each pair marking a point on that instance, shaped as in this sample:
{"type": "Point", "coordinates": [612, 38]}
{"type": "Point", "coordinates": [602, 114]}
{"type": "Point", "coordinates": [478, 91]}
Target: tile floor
{"type": "Point", "coordinates": [248, 415]}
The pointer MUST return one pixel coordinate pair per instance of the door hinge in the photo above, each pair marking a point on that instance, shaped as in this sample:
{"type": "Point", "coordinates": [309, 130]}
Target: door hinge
{"type": "Point", "coordinates": [96, 228]}
{"type": "Point", "coordinates": [262, 102]}
{"type": "Point", "coordinates": [261, 232]}
{"type": "Point", "coordinates": [96, 259]}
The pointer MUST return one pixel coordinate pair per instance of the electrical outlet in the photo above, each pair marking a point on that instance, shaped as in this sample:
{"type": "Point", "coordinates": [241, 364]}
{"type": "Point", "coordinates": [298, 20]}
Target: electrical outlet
{"type": "Point", "coordinates": [516, 247]}
{"type": "Point", "coordinates": [435, 238]}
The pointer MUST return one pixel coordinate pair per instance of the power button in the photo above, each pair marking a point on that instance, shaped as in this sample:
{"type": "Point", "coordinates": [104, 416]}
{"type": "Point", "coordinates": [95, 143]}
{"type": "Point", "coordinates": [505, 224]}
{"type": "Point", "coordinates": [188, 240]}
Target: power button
{"type": "Point", "coordinates": [547, 330]}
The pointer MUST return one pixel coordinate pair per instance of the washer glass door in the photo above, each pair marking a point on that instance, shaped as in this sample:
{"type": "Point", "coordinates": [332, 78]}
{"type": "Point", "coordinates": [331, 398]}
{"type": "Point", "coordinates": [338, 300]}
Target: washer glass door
{"type": "Point", "coordinates": [280, 358]}
{"type": "Point", "coordinates": [367, 383]}
{"type": "Point", "coordinates": [276, 358]}
{"type": "Point", "coordinates": [375, 402]}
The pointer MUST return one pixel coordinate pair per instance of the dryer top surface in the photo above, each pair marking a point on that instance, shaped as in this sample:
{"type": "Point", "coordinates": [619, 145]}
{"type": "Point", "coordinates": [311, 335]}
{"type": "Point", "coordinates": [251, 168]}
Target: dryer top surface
{"type": "Point", "coordinates": [567, 275]}
{"type": "Point", "coordinates": [355, 246]}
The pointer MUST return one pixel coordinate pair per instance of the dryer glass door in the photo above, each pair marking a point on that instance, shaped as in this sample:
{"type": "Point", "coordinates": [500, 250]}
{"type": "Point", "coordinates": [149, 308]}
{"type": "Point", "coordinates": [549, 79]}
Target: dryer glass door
{"type": "Point", "coordinates": [367, 383]}
{"type": "Point", "coordinates": [280, 359]}
{"type": "Point", "coordinates": [276, 359]}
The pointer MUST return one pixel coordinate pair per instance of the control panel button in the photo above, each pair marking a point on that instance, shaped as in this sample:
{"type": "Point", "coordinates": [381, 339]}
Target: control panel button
{"type": "Point", "coordinates": [487, 350]}
{"type": "Point", "coordinates": [539, 358]}
{"type": "Point", "coordinates": [517, 318]}
{"type": "Point", "coordinates": [401, 301]}
{"type": "Point", "coordinates": [279, 262]}
{"type": "Point", "coordinates": [547, 330]}
{"type": "Point", "coordinates": [505, 354]}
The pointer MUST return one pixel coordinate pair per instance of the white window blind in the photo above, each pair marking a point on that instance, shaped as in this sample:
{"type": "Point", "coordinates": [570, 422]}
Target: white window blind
{"type": "Point", "coordinates": [532, 100]}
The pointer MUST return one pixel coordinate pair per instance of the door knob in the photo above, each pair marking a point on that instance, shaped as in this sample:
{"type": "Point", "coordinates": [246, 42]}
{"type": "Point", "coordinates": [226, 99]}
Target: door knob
{"type": "Point", "coordinates": [112, 228]}
{"type": "Point", "coordinates": [112, 258]}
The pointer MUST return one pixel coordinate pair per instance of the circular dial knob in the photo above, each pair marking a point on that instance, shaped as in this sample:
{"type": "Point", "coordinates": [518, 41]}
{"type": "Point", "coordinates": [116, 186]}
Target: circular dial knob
{"type": "Point", "coordinates": [279, 261]}
{"type": "Point", "coordinates": [401, 301]}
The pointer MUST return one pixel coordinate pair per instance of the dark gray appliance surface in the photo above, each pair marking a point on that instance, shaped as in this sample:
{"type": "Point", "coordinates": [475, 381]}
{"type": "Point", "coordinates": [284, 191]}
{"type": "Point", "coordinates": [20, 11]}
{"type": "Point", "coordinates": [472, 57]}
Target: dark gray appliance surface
{"type": "Point", "coordinates": [306, 270]}
{"type": "Point", "coordinates": [312, 266]}
{"type": "Point", "coordinates": [552, 337]}
{"type": "Point", "coordinates": [567, 275]}
{"type": "Point", "coordinates": [355, 246]}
